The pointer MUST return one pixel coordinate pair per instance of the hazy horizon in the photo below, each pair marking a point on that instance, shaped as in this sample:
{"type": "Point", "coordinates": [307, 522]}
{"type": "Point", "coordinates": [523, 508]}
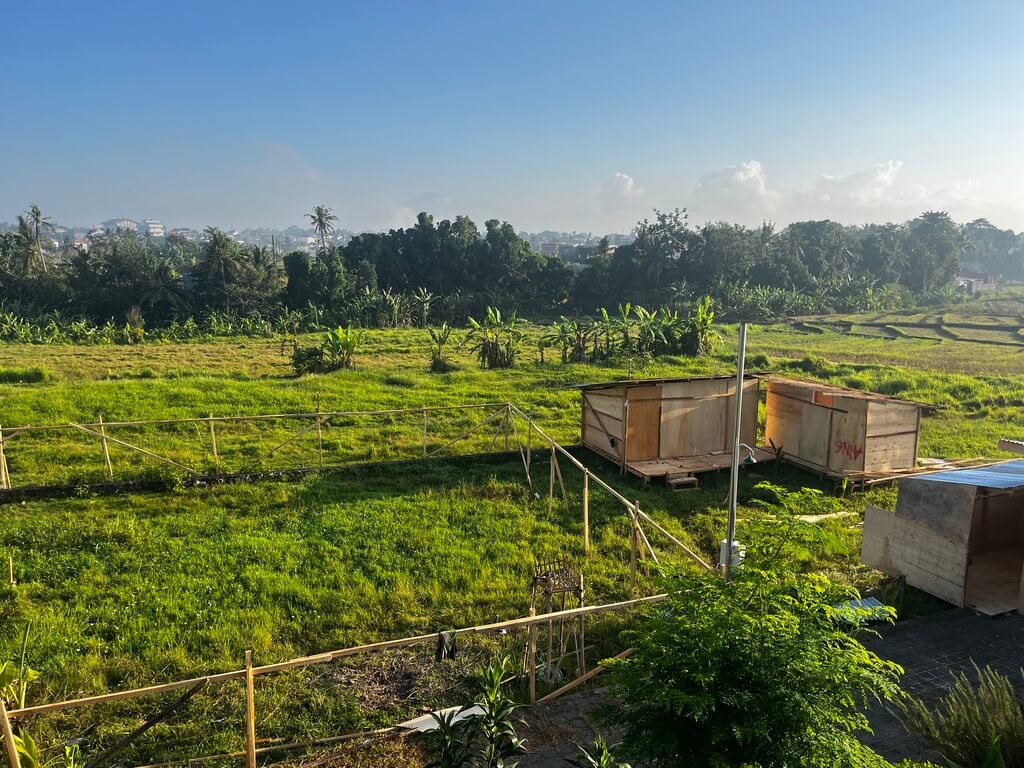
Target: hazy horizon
{"type": "Point", "coordinates": [565, 117]}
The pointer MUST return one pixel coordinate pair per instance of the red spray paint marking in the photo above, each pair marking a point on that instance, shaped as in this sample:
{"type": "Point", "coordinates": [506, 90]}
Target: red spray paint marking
{"type": "Point", "coordinates": [849, 450]}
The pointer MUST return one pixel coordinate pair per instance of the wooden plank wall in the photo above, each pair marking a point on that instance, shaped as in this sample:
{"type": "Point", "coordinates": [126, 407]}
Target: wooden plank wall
{"type": "Point", "coordinates": [998, 523]}
{"type": "Point", "coordinates": [847, 441]}
{"type": "Point", "coordinates": [891, 436]}
{"type": "Point", "coordinates": [602, 421]}
{"type": "Point", "coordinates": [643, 426]}
{"type": "Point", "coordinates": [696, 416]}
{"type": "Point", "coordinates": [926, 539]}
{"type": "Point", "coordinates": [784, 407]}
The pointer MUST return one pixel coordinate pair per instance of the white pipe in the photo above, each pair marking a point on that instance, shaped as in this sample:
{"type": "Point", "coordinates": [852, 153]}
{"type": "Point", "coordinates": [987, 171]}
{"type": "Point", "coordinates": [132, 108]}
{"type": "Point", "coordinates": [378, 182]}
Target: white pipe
{"type": "Point", "coordinates": [734, 473]}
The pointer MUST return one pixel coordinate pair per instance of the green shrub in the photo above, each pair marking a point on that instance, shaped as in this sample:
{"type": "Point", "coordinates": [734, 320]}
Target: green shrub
{"type": "Point", "coordinates": [34, 375]}
{"type": "Point", "coordinates": [965, 723]}
{"type": "Point", "coordinates": [335, 352]}
{"type": "Point", "coordinates": [756, 671]}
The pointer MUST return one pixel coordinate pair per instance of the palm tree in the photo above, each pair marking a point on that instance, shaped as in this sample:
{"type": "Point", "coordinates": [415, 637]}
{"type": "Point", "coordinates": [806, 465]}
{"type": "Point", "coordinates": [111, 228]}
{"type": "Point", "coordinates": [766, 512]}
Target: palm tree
{"type": "Point", "coordinates": [322, 219]}
{"type": "Point", "coordinates": [38, 222]}
{"type": "Point", "coordinates": [220, 258]}
{"type": "Point", "coordinates": [163, 288]}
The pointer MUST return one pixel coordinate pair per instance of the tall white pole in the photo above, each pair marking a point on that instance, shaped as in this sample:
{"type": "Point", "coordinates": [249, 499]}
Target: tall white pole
{"type": "Point", "coordinates": [734, 475]}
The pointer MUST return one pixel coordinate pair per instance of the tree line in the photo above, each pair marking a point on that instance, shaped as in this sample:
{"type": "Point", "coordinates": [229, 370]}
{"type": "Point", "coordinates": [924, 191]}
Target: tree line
{"type": "Point", "coordinates": [448, 270]}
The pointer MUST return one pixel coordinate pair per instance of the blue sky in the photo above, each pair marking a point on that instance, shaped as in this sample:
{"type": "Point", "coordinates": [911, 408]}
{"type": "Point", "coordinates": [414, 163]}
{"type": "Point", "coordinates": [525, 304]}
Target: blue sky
{"type": "Point", "coordinates": [561, 115]}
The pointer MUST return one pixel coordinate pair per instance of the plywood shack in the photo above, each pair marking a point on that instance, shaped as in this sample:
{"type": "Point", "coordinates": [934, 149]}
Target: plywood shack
{"type": "Point", "coordinates": [838, 431]}
{"type": "Point", "coordinates": [668, 427]}
{"type": "Point", "coordinates": [958, 535]}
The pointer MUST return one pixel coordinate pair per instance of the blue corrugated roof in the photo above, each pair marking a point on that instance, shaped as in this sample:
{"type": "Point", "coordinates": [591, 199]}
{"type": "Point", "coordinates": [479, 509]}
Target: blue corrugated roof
{"type": "Point", "coordinates": [1009, 474]}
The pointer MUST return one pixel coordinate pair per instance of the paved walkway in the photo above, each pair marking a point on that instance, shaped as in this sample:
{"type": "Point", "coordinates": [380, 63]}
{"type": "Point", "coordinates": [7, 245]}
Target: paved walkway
{"type": "Point", "coordinates": [932, 649]}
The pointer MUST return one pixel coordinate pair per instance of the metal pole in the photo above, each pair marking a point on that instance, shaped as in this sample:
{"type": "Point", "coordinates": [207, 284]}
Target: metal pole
{"type": "Point", "coordinates": [734, 473]}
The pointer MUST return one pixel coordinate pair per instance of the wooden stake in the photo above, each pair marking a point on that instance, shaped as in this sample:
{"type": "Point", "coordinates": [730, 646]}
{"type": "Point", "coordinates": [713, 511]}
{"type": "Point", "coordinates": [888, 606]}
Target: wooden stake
{"type": "Point", "coordinates": [551, 484]}
{"type": "Point", "coordinates": [5, 479]}
{"type": "Point", "coordinates": [424, 432]}
{"type": "Point", "coordinates": [319, 432]}
{"type": "Point", "coordinates": [582, 640]}
{"type": "Point", "coordinates": [10, 571]}
{"type": "Point", "coordinates": [586, 511]}
{"type": "Point", "coordinates": [558, 471]}
{"type": "Point", "coordinates": [531, 659]}
{"type": "Point", "coordinates": [633, 542]}
{"type": "Point", "coordinates": [5, 724]}
{"type": "Point", "coordinates": [250, 713]}
{"type": "Point", "coordinates": [213, 442]}
{"type": "Point", "coordinates": [106, 450]}
{"type": "Point", "coordinates": [507, 424]}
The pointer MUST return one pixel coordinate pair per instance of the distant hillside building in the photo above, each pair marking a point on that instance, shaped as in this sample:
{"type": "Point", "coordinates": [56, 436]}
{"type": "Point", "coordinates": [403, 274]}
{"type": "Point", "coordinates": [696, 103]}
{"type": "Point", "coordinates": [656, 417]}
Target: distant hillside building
{"type": "Point", "coordinates": [973, 283]}
{"type": "Point", "coordinates": [184, 234]}
{"type": "Point", "coordinates": [153, 228]}
{"type": "Point", "coordinates": [121, 225]}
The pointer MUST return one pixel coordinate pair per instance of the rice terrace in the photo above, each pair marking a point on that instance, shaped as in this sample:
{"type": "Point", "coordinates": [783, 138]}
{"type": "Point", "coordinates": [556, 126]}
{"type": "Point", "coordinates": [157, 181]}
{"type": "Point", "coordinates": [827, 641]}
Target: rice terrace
{"type": "Point", "coordinates": [380, 502]}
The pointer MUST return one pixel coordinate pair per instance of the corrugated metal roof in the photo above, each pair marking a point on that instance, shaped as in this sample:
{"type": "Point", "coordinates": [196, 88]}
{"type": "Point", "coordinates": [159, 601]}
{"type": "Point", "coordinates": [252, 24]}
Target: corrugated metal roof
{"type": "Point", "coordinates": [1009, 474]}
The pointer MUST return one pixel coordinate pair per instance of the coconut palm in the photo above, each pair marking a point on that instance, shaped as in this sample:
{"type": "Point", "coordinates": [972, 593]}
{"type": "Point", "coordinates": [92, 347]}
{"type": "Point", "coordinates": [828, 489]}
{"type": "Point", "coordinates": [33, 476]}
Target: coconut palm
{"type": "Point", "coordinates": [38, 222]}
{"type": "Point", "coordinates": [322, 219]}
{"type": "Point", "coordinates": [163, 288]}
{"type": "Point", "coordinates": [220, 262]}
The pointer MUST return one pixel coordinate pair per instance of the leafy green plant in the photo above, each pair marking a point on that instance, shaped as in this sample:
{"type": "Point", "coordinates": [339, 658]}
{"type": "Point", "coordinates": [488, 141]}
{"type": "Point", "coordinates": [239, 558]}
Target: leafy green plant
{"type": "Point", "coordinates": [701, 335]}
{"type": "Point", "coordinates": [486, 738]}
{"type": "Point", "coordinates": [754, 671]}
{"type": "Point", "coordinates": [966, 723]}
{"type": "Point", "coordinates": [335, 352]}
{"type": "Point", "coordinates": [495, 341]}
{"type": "Point", "coordinates": [601, 756]}
{"type": "Point", "coordinates": [438, 341]}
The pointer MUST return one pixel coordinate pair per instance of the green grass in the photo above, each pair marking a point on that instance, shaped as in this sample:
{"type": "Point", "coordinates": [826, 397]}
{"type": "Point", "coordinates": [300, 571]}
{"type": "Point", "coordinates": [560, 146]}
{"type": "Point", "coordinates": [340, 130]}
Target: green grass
{"type": "Point", "coordinates": [135, 589]}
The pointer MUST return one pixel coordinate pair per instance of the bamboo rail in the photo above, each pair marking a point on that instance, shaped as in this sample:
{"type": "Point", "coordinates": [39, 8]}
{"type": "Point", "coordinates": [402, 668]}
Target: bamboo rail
{"type": "Point", "coordinates": [327, 656]}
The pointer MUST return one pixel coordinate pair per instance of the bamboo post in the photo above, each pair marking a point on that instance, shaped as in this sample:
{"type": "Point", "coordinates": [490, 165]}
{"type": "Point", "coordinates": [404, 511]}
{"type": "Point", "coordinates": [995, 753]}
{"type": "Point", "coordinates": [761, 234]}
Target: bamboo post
{"type": "Point", "coordinates": [633, 542]}
{"type": "Point", "coordinates": [507, 424]}
{"type": "Point", "coordinates": [531, 658]}
{"type": "Point", "coordinates": [106, 450]}
{"type": "Point", "coordinates": [586, 511]}
{"type": "Point", "coordinates": [551, 483]}
{"type": "Point", "coordinates": [10, 571]}
{"type": "Point", "coordinates": [319, 432]}
{"type": "Point", "coordinates": [425, 432]}
{"type": "Point", "coordinates": [561, 484]}
{"type": "Point", "coordinates": [5, 724]}
{"type": "Point", "coordinates": [5, 479]}
{"type": "Point", "coordinates": [213, 442]}
{"type": "Point", "coordinates": [582, 642]}
{"type": "Point", "coordinates": [625, 436]}
{"type": "Point", "coordinates": [250, 713]}
{"type": "Point", "coordinates": [529, 440]}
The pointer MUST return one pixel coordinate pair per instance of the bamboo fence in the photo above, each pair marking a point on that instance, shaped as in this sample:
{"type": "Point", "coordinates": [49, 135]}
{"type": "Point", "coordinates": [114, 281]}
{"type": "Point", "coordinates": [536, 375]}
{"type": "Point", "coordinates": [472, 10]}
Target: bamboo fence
{"type": "Point", "coordinates": [505, 419]}
{"type": "Point", "coordinates": [249, 672]}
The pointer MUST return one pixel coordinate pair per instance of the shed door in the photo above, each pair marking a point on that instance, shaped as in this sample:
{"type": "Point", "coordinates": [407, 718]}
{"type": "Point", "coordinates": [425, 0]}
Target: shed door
{"type": "Point", "coordinates": [815, 427]}
{"type": "Point", "coordinates": [643, 426]}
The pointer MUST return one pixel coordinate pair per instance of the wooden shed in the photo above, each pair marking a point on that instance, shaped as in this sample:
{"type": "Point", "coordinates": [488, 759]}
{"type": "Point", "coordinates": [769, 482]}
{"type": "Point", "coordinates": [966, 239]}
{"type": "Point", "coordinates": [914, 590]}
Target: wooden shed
{"type": "Point", "coordinates": [838, 431]}
{"type": "Point", "coordinates": [671, 428]}
{"type": "Point", "coordinates": [958, 535]}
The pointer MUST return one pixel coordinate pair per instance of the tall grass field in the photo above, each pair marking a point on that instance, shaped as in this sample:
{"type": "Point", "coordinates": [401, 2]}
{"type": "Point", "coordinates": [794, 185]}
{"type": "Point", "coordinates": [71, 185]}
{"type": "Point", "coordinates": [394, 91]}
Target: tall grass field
{"type": "Point", "coordinates": [129, 589]}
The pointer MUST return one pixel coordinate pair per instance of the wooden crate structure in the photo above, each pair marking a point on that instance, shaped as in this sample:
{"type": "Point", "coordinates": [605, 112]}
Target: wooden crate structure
{"type": "Point", "coordinates": [957, 535]}
{"type": "Point", "coordinates": [652, 420]}
{"type": "Point", "coordinates": [839, 431]}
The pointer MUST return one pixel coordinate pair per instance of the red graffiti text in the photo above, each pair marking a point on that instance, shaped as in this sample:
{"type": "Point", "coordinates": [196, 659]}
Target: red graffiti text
{"type": "Point", "coordinates": [848, 449]}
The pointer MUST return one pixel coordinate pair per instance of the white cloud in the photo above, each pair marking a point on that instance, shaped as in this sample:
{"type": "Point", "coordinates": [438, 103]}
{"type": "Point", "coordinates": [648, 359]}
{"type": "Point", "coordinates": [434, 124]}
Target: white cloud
{"type": "Point", "coordinates": [743, 193]}
{"type": "Point", "coordinates": [619, 193]}
{"type": "Point", "coordinates": [872, 187]}
{"type": "Point", "coordinates": [737, 191]}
